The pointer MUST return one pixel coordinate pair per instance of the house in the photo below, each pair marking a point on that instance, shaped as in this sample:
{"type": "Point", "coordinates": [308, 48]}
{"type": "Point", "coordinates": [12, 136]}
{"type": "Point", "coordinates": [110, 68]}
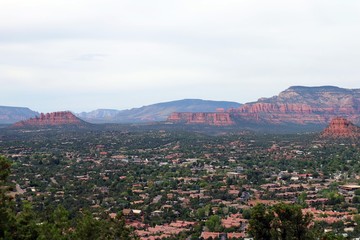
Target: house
{"type": "Point", "coordinates": [209, 235]}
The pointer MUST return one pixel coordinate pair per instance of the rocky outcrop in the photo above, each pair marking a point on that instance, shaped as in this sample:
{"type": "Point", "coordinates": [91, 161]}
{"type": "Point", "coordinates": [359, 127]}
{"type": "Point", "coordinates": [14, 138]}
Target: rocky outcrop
{"type": "Point", "coordinates": [51, 119]}
{"type": "Point", "coordinates": [303, 105]}
{"type": "Point", "coordinates": [277, 113]}
{"type": "Point", "coordinates": [341, 128]}
{"type": "Point", "coordinates": [296, 105]}
{"type": "Point", "coordinates": [215, 118]}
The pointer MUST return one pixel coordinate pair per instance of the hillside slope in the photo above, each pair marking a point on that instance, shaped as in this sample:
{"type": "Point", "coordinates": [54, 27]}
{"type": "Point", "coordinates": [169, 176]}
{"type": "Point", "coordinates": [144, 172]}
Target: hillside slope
{"type": "Point", "coordinates": [9, 115]}
{"type": "Point", "coordinates": [155, 112]}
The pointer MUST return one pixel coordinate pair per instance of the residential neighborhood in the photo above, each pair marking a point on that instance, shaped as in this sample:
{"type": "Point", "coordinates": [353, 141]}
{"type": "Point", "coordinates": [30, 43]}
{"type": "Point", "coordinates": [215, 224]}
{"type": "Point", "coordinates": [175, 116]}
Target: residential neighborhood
{"type": "Point", "coordinates": [168, 185]}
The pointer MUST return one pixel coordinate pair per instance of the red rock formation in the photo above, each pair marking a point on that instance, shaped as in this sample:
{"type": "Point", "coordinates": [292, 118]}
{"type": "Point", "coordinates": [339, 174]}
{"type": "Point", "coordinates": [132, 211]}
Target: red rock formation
{"type": "Point", "coordinates": [296, 105]}
{"type": "Point", "coordinates": [51, 119]}
{"type": "Point", "coordinates": [275, 108]}
{"type": "Point", "coordinates": [303, 105]}
{"type": "Point", "coordinates": [215, 119]}
{"type": "Point", "coordinates": [341, 128]}
{"type": "Point", "coordinates": [277, 113]}
{"type": "Point", "coordinates": [282, 113]}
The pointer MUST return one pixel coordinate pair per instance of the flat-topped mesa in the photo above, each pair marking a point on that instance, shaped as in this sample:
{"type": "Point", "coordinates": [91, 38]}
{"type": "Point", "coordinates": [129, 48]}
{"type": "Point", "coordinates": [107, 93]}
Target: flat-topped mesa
{"type": "Point", "coordinates": [295, 106]}
{"type": "Point", "coordinates": [212, 118]}
{"type": "Point", "coordinates": [341, 128]}
{"type": "Point", "coordinates": [51, 119]}
{"type": "Point", "coordinates": [303, 105]}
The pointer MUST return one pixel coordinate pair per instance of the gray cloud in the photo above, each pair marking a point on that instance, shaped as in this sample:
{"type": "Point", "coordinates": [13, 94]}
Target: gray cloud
{"type": "Point", "coordinates": [81, 55]}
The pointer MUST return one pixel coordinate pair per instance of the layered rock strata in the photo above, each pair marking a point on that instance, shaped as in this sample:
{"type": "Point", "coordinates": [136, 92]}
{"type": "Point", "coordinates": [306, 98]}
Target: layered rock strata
{"type": "Point", "coordinates": [50, 119]}
{"type": "Point", "coordinates": [296, 105]}
{"type": "Point", "coordinates": [215, 119]}
{"type": "Point", "coordinates": [341, 128]}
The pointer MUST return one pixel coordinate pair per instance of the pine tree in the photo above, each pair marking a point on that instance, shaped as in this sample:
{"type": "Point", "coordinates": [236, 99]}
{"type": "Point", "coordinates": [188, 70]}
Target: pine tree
{"type": "Point", "coordinates": [7, 217]}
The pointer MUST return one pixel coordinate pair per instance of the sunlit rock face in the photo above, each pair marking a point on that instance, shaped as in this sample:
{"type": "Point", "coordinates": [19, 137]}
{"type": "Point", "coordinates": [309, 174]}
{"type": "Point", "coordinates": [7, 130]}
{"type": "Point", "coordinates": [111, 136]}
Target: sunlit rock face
{"type": "Point", "coordinates": [50, 119]}
{"type": "Point", "coordinates": [295, 105]}
{"type": "Point", "coordinates": [341, 128]}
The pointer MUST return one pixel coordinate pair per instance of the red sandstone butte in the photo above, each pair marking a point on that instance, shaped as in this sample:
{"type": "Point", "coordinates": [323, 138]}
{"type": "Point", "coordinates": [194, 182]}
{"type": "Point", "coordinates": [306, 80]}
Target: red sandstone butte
{"type": "Point", "coordinates": [50, 119]}
{"type": "Point", "coordinates": [213, 118]}
{"type": "Point", "coordinates": [341, 128]}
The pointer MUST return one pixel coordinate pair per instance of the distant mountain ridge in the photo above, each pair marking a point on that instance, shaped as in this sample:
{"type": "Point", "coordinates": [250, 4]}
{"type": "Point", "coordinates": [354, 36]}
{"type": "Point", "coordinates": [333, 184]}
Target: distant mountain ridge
{"type": "Point", "coordinates": [9, 115]}
{"type": "Point", "coordinates": [319, 96]}
{"type": "Point", "coordinates": [99, 115]}
{"type": "Point", "coordinates": [155, 112]}
{"type": "Point", "coordinates": [295, 105]}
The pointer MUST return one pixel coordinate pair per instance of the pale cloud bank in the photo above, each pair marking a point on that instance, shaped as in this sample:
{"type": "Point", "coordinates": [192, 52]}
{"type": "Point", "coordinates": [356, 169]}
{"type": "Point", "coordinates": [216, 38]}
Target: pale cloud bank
{"type": "Point", "coordinates": [82, 55]}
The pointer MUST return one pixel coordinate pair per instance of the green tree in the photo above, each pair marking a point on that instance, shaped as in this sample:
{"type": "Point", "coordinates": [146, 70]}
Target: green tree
{"type": "Point", "coordinates": [332, 236]}
{"type": "Point", "coordinates": [290, 223]}
{"type": "Point", "coordinates": [213, 223]}
{"type": "Point", "coordinates": [335, 198]}
{"type": "Point", "coordinates": [4, 169]}
{"type": "Point", "coordinates": [282, 221]}
{"type": "Point", "coordinates": [26, 227]}
{"type": "Point", "coordinates": [57, 227]}
{"type": "Point", "coordinates": [7, 217]}
{"type": "Point", "coordinates": [88, 227]}
{"type": "Point", "coordinates": [302, 199]}
{"type": "Point", "coordinates": [260, 222]}
{"type": "Point", "coordinates": [120, 230]}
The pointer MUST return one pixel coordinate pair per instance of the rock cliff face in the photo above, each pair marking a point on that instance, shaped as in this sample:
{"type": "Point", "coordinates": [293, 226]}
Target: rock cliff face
{"type": "Point", "coordinates": [51, 119]}
{"type": "Point", "coordinates": [341, 128]}
{"type": "Point", "coordinates": [298, 105]}
{"type": "Point", "coordinates": [303, 105]}
{"type": "Point", "coordinates": [215, 119]}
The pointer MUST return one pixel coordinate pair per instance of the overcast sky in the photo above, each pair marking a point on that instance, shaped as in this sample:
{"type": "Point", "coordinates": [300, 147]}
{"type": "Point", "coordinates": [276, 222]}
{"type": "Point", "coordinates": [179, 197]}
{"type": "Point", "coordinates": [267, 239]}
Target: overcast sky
{"type": "Point", "coordinates": [81, 55]}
